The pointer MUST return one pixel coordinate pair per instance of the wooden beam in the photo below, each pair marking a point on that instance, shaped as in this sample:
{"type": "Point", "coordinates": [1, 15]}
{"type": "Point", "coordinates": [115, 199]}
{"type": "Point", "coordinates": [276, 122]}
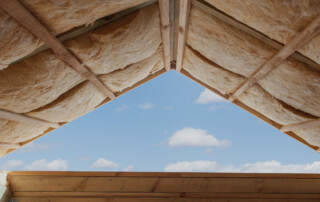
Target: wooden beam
{"type": "Point", "coordinates": [252, 32]}
{"type": "Point", "coordinates": [27, 119]}
{"type": "Point", "coordinates": [164, 6]}
{"type": "Point", "coordinates": [5, 145]}
{"type": "Point", "coordinates": [297, 42]}
{"type": "Point", "coordinates": [183, 29]}
{"type": "Point", "coordinates": [301, 125]}
{"type": "Point", "coordinates": [26, 19]}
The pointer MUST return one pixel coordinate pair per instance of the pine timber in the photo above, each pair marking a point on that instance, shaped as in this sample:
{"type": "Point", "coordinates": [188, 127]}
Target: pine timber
{"type": "Point", "coordinates": [182, 31]}
{"type": "Point", "coordinates": [27, 119]}
{"type": "Point", "coordinates": [153, 186]}
{"type": "Point", "coordinates": [26, 19]}
{"type": "Point", "coordinates": [302, 125]}
{"type": "Point", "coordinates": [164, 6]}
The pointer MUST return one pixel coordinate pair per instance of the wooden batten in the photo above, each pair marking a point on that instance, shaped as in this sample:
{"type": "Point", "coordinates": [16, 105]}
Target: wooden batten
{"type": "Point", "coordinates": [302, 125]}
{"type": "Point", "coordinates": [164, 6]}
{"type": "Point", "coordinates": [27, 119]}
{"type": "Point", "coordinates": [297, 42]}
{"type": "Point", "coordinates": [26, 19]}
{"type": "Point", "coordinates": [182, 31]}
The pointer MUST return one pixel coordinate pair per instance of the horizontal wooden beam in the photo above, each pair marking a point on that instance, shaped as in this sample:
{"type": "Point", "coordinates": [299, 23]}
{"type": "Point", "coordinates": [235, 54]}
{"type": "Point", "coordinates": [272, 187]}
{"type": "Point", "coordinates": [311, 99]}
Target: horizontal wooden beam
{"type": "Point", "coordinates": [252, 32]}
{"type": "Point", "coordinates": [182, 31]}
{"type": "Point", "coordinates": [167, 195]}
{"type": "Point", "coordinates": [301, 125]}
{"type": "Point", "coordinates": [26, 19]}
{"type": "Point", "coordinates": [27, 119]}
{"type": "Point", "coordinates": [164, 6]}
{"type": "Point", "coordinates": [297, 42]}
{"type": "Point", "coordinates": [5, 145]}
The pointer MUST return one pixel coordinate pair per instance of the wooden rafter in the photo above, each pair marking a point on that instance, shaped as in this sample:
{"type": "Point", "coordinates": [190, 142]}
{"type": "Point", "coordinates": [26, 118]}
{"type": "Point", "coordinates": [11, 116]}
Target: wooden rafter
{"type": "Point", "coordinates": [301, 125]}
{"type": "Point", "coordinates": [252, 32]}
{"type": "Point", "coordinates": [26, 19]}
{"type": "Point", "coordinates": [27, 119]}
{"type": "Point", "coordinates": [164, 6]}
{"type": "Point", "coordinates": [298, 41]}
{"type": "Point", "coordinates": [182, 31]}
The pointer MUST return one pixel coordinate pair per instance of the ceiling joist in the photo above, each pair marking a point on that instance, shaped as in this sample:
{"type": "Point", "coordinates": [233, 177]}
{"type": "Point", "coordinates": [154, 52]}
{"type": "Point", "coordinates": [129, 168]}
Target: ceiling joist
{"type": "Point", "coordinates": [164, 6]}
{"type": "Point", "coordinates": [301, 125]}
{"type": "Point", "coordinates": [26, 19]}
{"type": "Point", "coordinates": [182, 31]}
{"type": "Point", "coordinates": [298, 41]}
{"type": "Point", "coordinates": [27, 119]}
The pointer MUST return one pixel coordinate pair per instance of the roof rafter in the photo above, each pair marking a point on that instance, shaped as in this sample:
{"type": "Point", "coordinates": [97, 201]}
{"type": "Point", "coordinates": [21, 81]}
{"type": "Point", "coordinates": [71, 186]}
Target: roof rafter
{"type": "Point", "coordinates": [182, 31]}
{"type": "Point", "coordinates": [26, 19]}
{"type": "Point", "coordinates": [298, 41]}
{"type": "Point", "coordinates": [165, 9]}
{"type": "Point", "coordinates": [301, 125]}
{"type": "Point", "coordinates": [252, 32]}
{"type": "Point", "coordinates": [27, 119]}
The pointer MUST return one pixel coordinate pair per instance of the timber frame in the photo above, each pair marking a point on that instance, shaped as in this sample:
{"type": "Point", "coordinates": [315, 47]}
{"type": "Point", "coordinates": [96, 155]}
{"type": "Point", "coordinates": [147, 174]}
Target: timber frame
{"type": "Point", "coordinates": [174, 17]}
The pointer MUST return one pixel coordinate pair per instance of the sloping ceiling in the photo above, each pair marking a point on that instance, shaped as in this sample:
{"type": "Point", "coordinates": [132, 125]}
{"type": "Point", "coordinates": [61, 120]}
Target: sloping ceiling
{"type": "Point", "coordinates": [62, 59]}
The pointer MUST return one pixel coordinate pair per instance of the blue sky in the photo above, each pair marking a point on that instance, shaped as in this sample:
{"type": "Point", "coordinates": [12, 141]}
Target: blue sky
{"type": "Point", "coordinates": [167, 124]}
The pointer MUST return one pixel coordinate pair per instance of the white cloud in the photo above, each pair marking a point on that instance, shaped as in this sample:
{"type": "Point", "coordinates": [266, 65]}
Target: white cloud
{"type": "Point", "coordinates": [43, 164]}
{"type": "Point", "coordinates": [102, 163]}
{"type": "Point", "coordinates": [146, 106]}
{"type": "Point", "coordinates": [12, 165]}
{"type": "Point", "coordinates": [259, 167]}
{"type": "Point", "coordinates": [122, 108]}
{"type": "Point", "coordinates": [128, 168]}
{"type": "Point", "coordinates": [34, 147]}
{"type": "Point", "coordinates": [196, 138]}
{"type": "Point", "coordinates": [208, 96]}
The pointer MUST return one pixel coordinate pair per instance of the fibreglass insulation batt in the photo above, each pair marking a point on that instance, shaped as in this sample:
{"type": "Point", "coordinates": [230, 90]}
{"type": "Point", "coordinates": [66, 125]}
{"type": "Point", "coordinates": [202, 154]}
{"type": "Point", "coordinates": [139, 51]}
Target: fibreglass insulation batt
{"type": "Point", "coordinates": [208, 72]}
{"type": "Point", "coordinates": [85, 97]}
{"type": "Point", "coordinates": [255, 97]}
{"type": "Point", "coordinates": [16, 132]}
{"type": "Point", "coordinates": [35, 82]}
{"type": "Point", "coordinates": [311, 135]}
{"type": "Point", "coordinates": [127, 41]}
{"type": "Point", "coordinates": [279, 19]}
{"type": "Point", "coordinates": [71, 105]}
{"type": "Point", "coordinates": [121, 79]}
{"type": "Point", "coordinates": [297, 85]}
{"type": "Point", "coordinates": [58, 16]}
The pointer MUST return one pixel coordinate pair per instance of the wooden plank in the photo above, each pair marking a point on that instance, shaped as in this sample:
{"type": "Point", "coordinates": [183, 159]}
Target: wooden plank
{"type": "Point", "coordinates": [26, 19]}
{"type": "Point", "coordinates": [165, 195]}
{"type": "Point", "coordinates": [165, 185]}
{"type": "Point", "coordinates": [297, 42]}
{"type": "Point", "coordinates": [99, 199]}
{"type": "Point", "coordinates": [164, 6]}
{"type": "Point", "coordinates": [250, 110]}
{"type": "Point", "coordinates": [254, 33]}
{"type": "Point", "coordinates": [183, 29]}
{"type": "Point", "coordinates": [165, 174]}
{"type": "Point", "coordinates": [27, 119]}
{"type": "Point", "coordinates": [301, 125]}
{"type": "Point", "coordinates": [5, 145]}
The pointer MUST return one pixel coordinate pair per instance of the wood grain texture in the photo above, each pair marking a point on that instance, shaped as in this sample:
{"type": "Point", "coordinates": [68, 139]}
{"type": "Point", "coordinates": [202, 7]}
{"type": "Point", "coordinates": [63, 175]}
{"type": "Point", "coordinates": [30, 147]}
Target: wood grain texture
{"type": "Point", "coordinates": [27, 119]}
{"type": "Point", "coordinates": [164, 6]}
{"type": "Point", "coordinates": [182, 31]}
{"type": "Point", "coordinates": [25, 18]}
